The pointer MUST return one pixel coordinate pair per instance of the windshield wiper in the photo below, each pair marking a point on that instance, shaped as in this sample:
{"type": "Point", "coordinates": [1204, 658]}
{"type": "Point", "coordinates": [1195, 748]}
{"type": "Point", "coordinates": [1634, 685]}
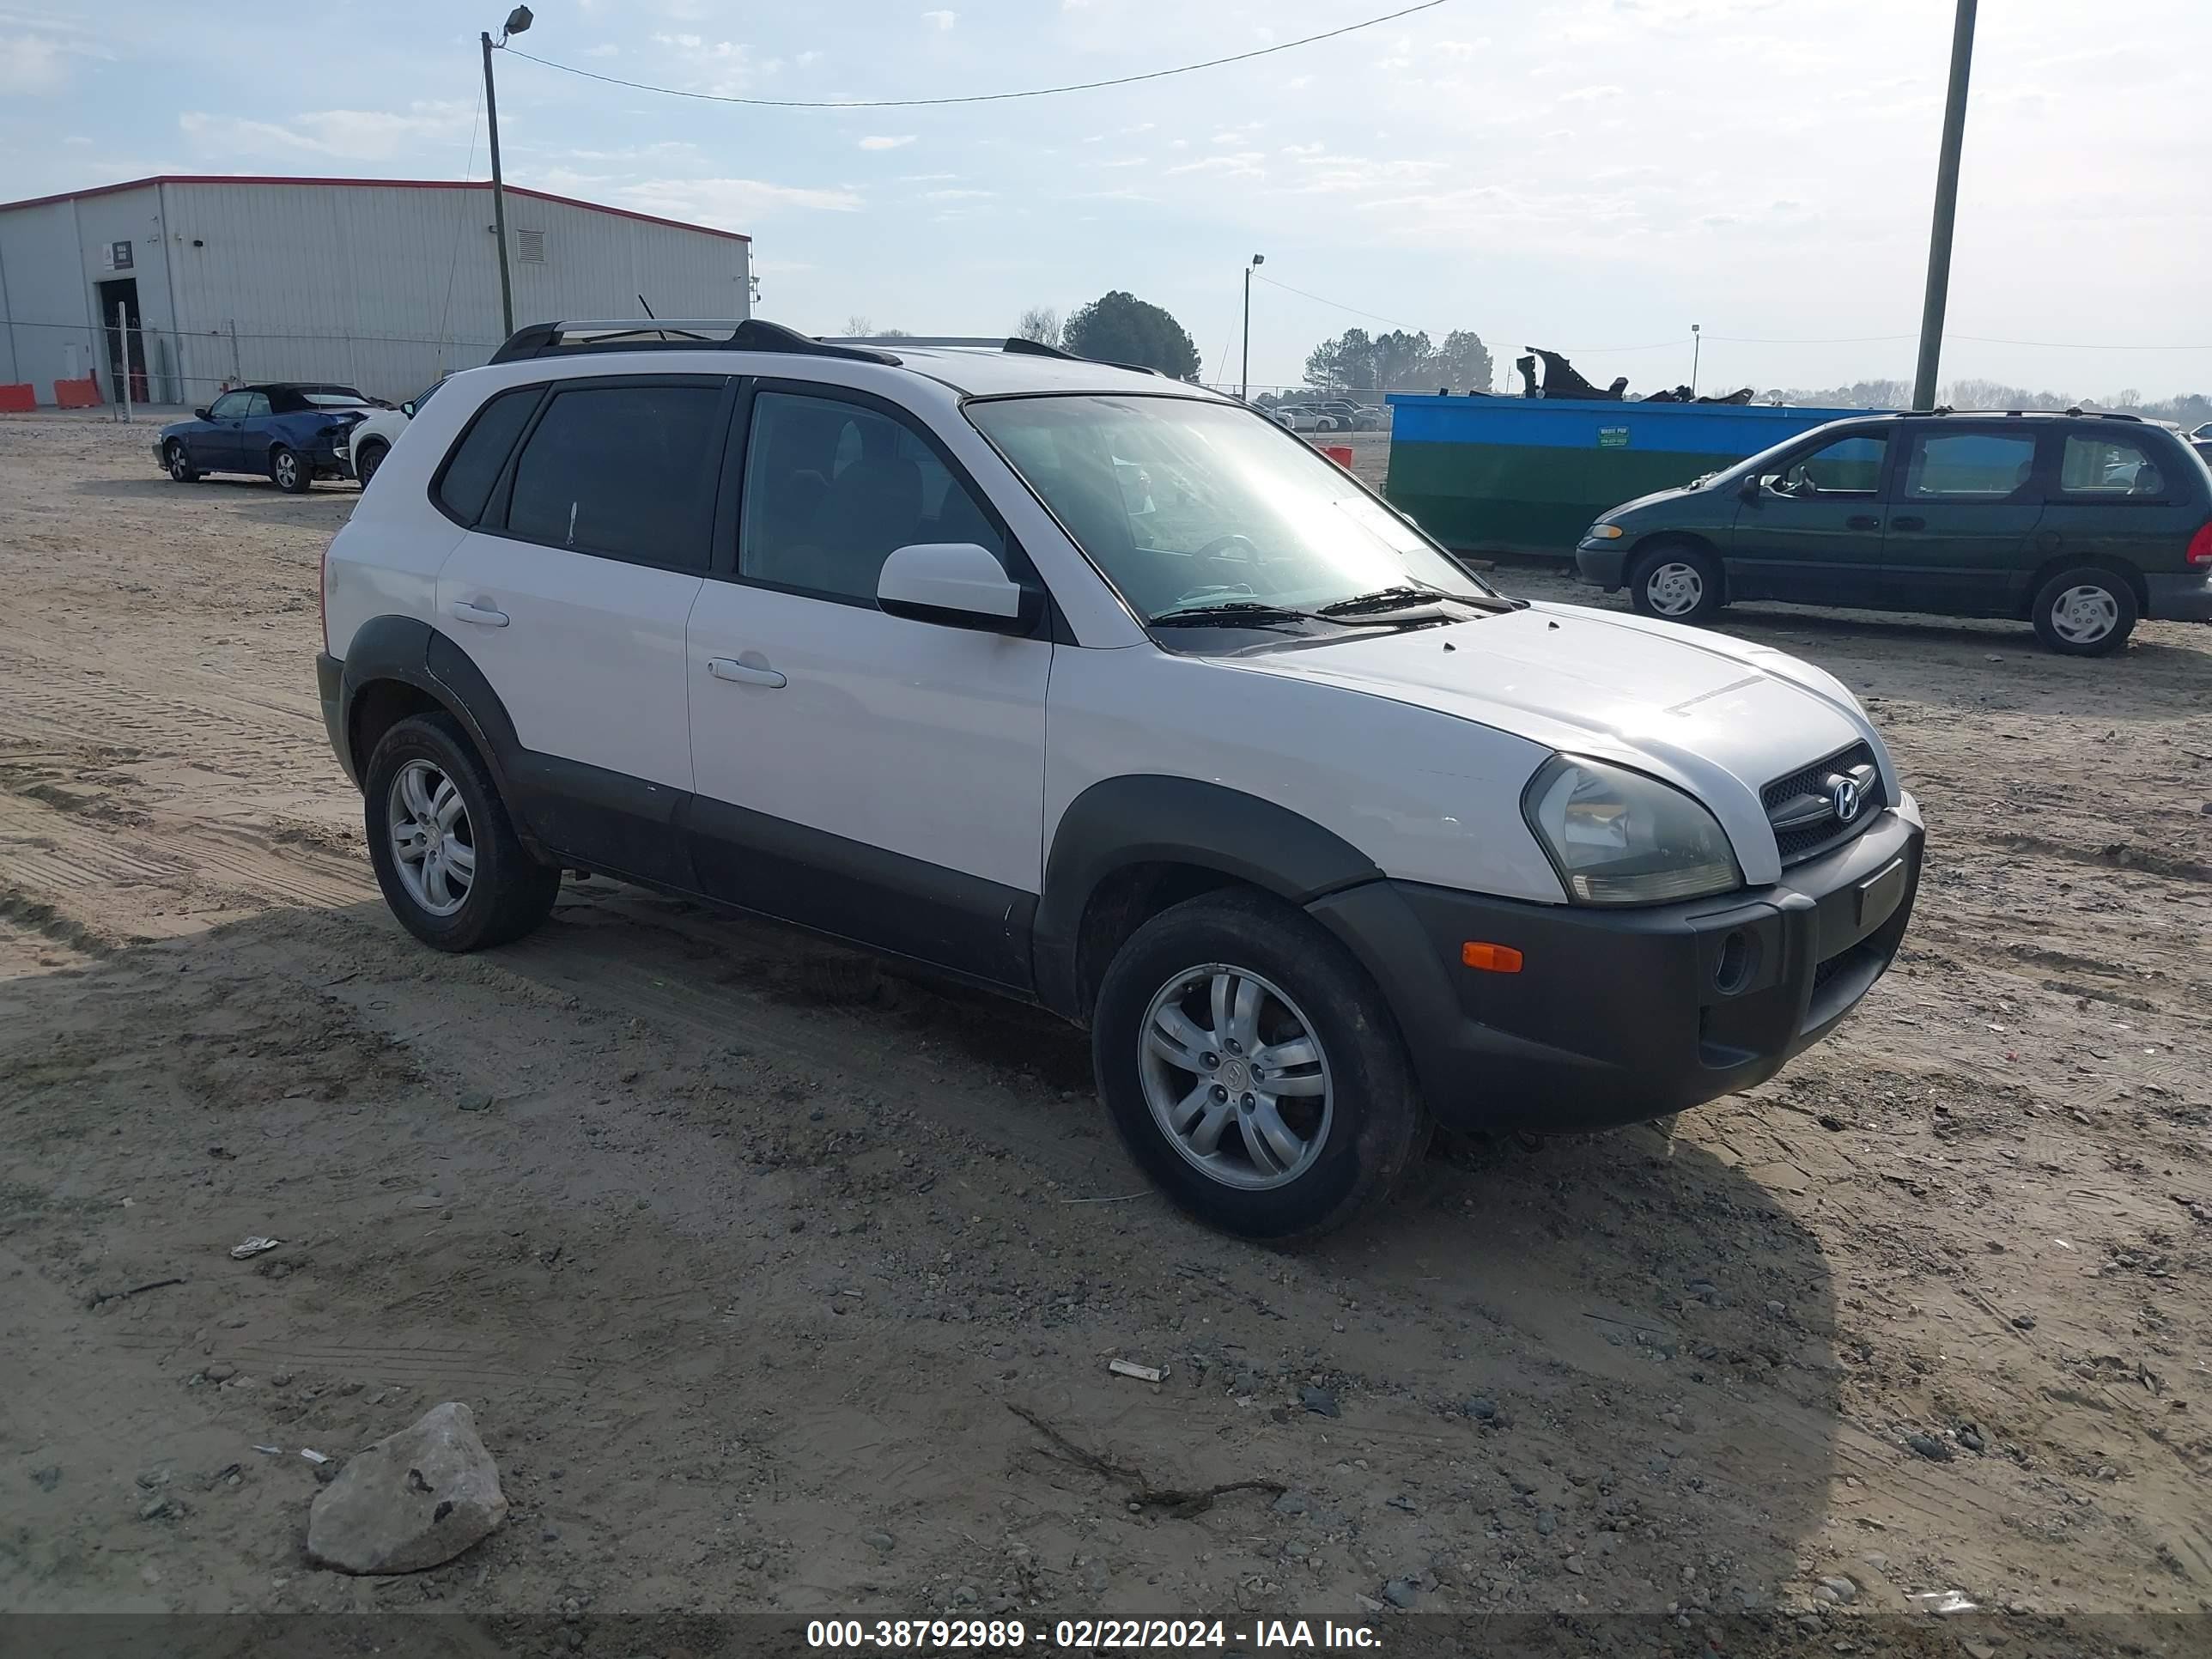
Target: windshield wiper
{"type": "Point", "coordinates": [1398, 598]}
{"type": "Point", "coordinates": [1254, 612]}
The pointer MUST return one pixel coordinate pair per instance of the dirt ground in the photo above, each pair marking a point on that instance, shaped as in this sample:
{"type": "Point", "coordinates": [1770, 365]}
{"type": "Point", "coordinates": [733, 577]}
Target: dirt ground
{"type": "Point", "coordinates": [742, 1251]}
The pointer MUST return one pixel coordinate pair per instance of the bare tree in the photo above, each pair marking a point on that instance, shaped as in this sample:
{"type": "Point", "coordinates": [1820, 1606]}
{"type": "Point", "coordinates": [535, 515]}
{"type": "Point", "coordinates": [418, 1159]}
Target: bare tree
{"type": "Point", "coordinates": [1041, 323]}
{"type": "Point", "coordinates": [858, 327]}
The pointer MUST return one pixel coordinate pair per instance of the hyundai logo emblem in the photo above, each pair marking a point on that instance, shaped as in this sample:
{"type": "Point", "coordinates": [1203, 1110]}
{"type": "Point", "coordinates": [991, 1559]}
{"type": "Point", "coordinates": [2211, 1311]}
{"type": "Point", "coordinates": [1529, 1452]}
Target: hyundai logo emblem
{"type": "Point", "coordinates": [1845, 795]}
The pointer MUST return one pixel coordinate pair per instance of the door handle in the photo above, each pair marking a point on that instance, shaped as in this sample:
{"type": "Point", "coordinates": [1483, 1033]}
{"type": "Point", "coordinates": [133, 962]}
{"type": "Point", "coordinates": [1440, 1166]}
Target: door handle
{"type": "Point", "coordinates": [744, 673]}
{"type": "Point", "coordinates": [1909, 522]}
{"type": "Point", "coordinates": [484, 614]}
{"type": "Point", "coordinates": [1863, 522]}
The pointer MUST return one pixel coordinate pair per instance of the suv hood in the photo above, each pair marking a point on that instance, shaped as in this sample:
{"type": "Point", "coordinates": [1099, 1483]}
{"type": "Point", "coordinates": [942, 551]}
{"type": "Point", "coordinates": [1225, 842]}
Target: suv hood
{"type": "Point", "coordinates": [1712, 715]}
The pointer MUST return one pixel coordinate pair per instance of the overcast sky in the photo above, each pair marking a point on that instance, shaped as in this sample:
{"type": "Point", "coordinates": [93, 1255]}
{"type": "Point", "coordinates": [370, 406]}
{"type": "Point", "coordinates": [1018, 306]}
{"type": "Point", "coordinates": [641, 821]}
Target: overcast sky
{"type": "Point", "coordinates": [1593, 175]}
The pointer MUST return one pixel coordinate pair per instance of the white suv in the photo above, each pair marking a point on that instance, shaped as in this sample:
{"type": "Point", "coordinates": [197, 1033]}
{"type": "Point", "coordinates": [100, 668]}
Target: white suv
{"type": "Point", "coordinates": [1323, 838]}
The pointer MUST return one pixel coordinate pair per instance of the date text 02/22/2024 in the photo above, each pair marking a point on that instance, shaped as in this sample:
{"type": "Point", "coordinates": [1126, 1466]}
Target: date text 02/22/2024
{"type": "Point", "coordinates": [1086, 1635]}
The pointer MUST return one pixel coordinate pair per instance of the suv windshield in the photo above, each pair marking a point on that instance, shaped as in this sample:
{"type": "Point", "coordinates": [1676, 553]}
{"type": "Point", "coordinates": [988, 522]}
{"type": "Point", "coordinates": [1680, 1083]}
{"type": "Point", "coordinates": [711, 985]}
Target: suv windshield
{"type": "Point", "coordinates": [1229, 510]}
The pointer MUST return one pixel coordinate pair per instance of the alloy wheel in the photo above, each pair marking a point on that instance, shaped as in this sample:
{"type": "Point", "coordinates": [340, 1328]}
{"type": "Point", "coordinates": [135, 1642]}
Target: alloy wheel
{"type": "Point", "coordinates": [432, 846]}
{"type": "Point", "coordinates": [1235, 1077]}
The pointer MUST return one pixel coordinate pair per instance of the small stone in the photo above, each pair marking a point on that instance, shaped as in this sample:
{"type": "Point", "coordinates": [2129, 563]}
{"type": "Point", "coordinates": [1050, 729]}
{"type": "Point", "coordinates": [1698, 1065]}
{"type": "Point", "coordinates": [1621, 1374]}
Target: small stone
{"type": "Point", "coordinates": [1401, 1593]}
{"type": "Point", "coordinates": [1831, 1122]}
{"type": "Point", "coordinates": [1291, 1503]}
{"type": "Point", "coordinates": [1522, 1484]}
{"type": "Point", "coordinates": [1929, 1447]}
{"type": "Point", "coordinates": [548, 1535]}
{"type": "Point", "coordinates": [2024, 1322]}
{"type": "Point", "coordinates": [281, 1380]}
{"type": "Point", "coordinates": [1573, 1564]}
{"type": "Point", "coordinates": [478, 1102]}
{"type": "Point", "coordinates": [1546, 1524]}
{"type": "Point", "coordinates": [47, 1478]}
{"type": "Point", "coordinates": [1841, 1589]}
{"type": "Point", "coordinates": [220, 1372]}
{"type": "Point", "coordinates": [879, 1540]}
{"type": "Point", "coordinates": [1971, 1441]}
{"type": "Point", "coordinates": [159, 1508]}
{"type": "Point", "coordinates": [1485, 1409]}
{"type": "Point", "coordinates": [966, 1596]}
{"type": "Point", "coordinates": [1319, 1402]}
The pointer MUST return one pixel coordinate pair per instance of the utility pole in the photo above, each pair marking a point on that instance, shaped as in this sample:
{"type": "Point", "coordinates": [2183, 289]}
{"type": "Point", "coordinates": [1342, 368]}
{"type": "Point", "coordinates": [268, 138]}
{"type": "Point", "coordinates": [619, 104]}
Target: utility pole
{"type": "Point", "coordinates": [1244, 377]}
{"type": "Point", "coordinates": [517, 21]}
{"type": "Point", "coordinates": [1947, 209]}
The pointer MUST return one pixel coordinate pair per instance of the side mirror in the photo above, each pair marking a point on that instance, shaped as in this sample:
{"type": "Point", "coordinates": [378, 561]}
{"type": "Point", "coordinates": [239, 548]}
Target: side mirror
{"type": "Point", "coordinates": [957, 585]}
{"type": "Point", "coordinates": [408, 409]}
{"type": "Point", "coordinates": [1752, 489]}
{"type": "Point", "coordinates": [202, 415]}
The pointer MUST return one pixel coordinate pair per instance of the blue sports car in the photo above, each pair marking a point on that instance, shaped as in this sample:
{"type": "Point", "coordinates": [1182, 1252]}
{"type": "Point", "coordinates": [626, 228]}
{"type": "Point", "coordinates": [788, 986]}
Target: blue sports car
{"type": "Point", "coordinates": [287, 432]}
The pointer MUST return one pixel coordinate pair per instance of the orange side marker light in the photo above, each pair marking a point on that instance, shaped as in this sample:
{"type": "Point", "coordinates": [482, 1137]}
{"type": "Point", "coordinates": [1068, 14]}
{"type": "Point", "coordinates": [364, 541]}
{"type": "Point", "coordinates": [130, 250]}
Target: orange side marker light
{"type": "Point", "coordinates": [1490, 958]}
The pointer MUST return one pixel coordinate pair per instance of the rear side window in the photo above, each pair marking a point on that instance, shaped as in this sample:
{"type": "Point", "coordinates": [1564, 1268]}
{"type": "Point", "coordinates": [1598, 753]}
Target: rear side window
{"type": "Point", "coordinates": [628, 472]}
{"type": "Point", "coordinates": [1984, 466]}
{"type": "Point", "coordinates": [473, 467]}
{"type": "Point", "coordinates": [2093, 466]}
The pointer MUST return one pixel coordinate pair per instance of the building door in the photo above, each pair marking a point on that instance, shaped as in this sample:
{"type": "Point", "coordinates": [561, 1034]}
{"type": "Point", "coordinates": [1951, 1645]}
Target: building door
{"type": "Point", "coordinates": [130, 340]}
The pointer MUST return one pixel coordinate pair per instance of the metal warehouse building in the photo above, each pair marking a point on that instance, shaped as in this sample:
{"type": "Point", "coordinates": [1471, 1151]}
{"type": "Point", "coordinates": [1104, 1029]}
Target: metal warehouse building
{"type": "Point", "coordinates": [380, 284]}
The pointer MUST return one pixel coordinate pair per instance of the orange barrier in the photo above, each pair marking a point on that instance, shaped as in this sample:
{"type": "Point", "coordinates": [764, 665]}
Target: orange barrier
{"type": "Point", "coordinates": [20, 400]}
{"type": "Point", "coordinates": [78, 394]}
{"type": "Point", "coordinates": [1341, 454]}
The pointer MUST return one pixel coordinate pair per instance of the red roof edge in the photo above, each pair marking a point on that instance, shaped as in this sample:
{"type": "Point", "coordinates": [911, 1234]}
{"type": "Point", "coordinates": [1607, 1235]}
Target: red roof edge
{"type": "Point", "coordinates": [371, 184]}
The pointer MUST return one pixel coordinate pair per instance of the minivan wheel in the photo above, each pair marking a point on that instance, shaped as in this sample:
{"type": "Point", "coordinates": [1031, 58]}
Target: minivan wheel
{"type": "Point", "coordinates": [446, 853]}
{"type": "Point", "coordinates": [2088, 611]}
{"type": "Point", "coordinates": [1253, 1069]}
{"type": "Point", "coordinates": [1676, 581]}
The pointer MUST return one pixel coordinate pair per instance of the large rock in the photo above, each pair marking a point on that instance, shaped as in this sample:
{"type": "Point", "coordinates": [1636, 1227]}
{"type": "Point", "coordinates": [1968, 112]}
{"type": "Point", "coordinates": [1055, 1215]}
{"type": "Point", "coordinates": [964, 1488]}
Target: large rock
{"type": "Point", "coordinates": [412, 1500]}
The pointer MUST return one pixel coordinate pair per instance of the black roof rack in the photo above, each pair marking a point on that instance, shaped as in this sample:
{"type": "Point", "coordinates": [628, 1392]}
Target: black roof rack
{"type": "Point", "coordinates": [672, 334]}
{"type": "Point", "coordinates": [2077, 412]}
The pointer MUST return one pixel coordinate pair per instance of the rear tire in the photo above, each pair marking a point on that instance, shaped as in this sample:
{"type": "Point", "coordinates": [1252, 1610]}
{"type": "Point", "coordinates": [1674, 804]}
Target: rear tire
{"type": "Point", "coordinates": [1677, 581]}
{"type": "Point", "coordinates": [1253, 1069]}
{"type": "Point", "coordinates": [179, 461]}
{"type": "Point", "coordinates": [447, 855]}
{"type": "Point", "coordinates": [289, 470]}
{"type": "Point", "coordinates": [2087, 611]}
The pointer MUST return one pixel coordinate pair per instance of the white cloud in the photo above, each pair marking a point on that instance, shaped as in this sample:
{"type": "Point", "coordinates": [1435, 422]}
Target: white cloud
{"type": "Point", "coordinates": [1590, 95]}
{"type": "Point", "coordinates": [955, 195]}
{"type": "Point", "coordinates": [604, 49]}
{"type": "Point", "coordinates": [731, 204]}
{"type": "Point", "coordinates": [1459, 49]}
{"type": "Point", "coordinates": [1298, 83]}
{"type": "Point", "coordinates": [878, 141]}
{"type": "Point", "coordinates": [31, 66]}
{"type": "Point", "coordinates": [681, 42]}
{"type": "Point", "coordinates": [924, 178]}
{"type": "Point", "coordinates": [1243, 164]}
{"type": "Point", "coordinates": [806, 58]}
{"type": "Point", "coordinates": [356, 134]}
{"type": "Point", "coordinates": [940, 20]}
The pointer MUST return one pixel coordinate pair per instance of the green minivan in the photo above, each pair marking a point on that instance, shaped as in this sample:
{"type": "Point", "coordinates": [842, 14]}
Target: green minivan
{"type": "Point", "coordinates": [2078, 523]}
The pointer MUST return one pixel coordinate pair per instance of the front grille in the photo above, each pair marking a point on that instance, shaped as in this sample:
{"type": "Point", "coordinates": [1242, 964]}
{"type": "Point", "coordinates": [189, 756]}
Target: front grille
{"type": "Point", "coordinates": [1803, 815]}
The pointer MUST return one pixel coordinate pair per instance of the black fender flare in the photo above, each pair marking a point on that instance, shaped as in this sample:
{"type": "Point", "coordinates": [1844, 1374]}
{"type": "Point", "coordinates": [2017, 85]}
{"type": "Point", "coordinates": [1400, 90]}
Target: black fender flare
{"type": "Point", "coordinates": [410, 651]}
{"type": "Point", "coordinates": [1149, 819]}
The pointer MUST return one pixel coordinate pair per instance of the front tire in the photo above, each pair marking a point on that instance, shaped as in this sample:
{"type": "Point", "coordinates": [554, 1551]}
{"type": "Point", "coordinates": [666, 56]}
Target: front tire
{"type": "Point", "coordinates": [179, 461]}
{"type": "Point", "coordinates": [2088, 612]}
{"type": "Point", "coordinates": [290, 473]}
{"type": "Point", "coordinates": [1677, 581]}
{"type": "Point", "coordinates": [365, 460]}
{"type": "Point", "coordinates": [1253, 1069]}
{"type": "Point", "coordinates": [446, 852]}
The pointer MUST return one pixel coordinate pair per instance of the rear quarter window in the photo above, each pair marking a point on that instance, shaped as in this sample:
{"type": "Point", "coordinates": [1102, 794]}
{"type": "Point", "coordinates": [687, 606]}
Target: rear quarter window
{"type": "Point", "coordinates": [465, 483]}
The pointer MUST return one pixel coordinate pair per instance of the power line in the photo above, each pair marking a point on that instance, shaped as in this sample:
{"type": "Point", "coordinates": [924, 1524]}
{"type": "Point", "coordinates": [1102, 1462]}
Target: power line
{"type": "Point", "coordinates": [1334, 304]}
{"type": "Point", "coordinates": [2075, 345]}
{"type": "Point", "coordinates": [978, 97]}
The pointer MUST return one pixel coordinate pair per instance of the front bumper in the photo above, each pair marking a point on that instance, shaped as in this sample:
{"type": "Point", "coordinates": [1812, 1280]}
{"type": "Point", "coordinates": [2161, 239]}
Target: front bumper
{"type": "Point", "coordinates": [1602, 564]}
{"type": "Point", "coordinates": [2179, 598]}
{"type": "Point", "coordinates": [1618, 1016]}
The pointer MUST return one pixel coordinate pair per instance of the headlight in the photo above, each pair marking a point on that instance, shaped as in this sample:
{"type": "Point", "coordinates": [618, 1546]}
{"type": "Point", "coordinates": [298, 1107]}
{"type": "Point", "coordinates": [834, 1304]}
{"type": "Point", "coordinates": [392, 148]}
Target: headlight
{"type": "Point", "coordinates": [1604, 532]}
{"type": "Point", "coordinates": [1618, 838]}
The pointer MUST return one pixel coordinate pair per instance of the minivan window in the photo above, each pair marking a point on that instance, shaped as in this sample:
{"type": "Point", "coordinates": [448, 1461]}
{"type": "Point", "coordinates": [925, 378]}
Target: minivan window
{"type": "Point", "coordinates": [474, 466]}
{"type": "Point", "coordinates": [2095, 465]}
{"type": "Point", "coordinates": [1849, 466]}
{"type": "Point", "coordinates": [1231, 509]}
{"type": "Point", "coordinates": [832, 489]}
{"type": "Point", "coordinates": [1968, 465]}
{"type": "Point", "coordinates": [621, 471]}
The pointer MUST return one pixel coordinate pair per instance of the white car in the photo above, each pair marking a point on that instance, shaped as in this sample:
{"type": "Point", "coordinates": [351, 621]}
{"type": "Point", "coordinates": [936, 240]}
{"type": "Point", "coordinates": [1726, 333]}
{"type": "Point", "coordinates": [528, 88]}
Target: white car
{"type": "Point", "coordinates": [1296, 417]}
{"type": "Point", "coordinates": [361, 450]}
{"type": "Point", "coordinates": [1322, 837]}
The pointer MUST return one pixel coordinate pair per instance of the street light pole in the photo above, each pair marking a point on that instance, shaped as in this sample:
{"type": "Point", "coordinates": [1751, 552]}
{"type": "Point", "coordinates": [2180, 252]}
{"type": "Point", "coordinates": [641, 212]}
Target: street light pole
{"type": "Point", "coordinates": [1697, 349]}
{"type": "Point", "coordinates": [1244, 376]}
{"type": "Point", "coordinates": [517, 21]}
{"type": "Point", "coordinates": [1947, 209]}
